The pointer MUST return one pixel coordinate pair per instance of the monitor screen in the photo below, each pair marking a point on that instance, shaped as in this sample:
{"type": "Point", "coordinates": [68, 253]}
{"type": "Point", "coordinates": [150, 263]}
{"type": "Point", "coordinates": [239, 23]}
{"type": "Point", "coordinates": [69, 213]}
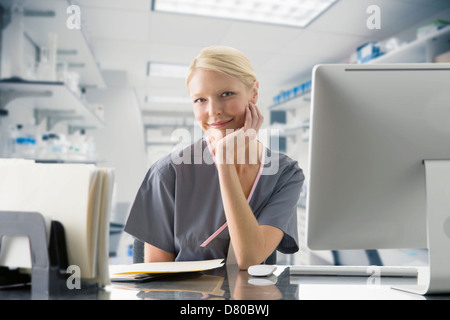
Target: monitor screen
{"type": "Point", "coordinates": [372, 126]}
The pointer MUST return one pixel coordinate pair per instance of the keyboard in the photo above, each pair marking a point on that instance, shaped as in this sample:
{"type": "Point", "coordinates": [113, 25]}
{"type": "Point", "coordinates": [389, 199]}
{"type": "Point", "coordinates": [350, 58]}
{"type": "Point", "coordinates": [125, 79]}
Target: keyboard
{"type": "Point", "coordinates": [361, 271]}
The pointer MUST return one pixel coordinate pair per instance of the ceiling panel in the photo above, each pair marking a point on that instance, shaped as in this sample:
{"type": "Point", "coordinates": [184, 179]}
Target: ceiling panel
{"type": "Point", "coordinates": [259, 37]}
{"type": "Point", "coordinates": [116, 24]}
{"type": "Point", "coordinates": [140, 5]}
{"type": "Point", "coordinates": [177, 29]}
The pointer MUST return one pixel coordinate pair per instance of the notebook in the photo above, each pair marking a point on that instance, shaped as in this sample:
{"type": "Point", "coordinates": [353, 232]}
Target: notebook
{"type": "Point", "coordinates": [139, 271]}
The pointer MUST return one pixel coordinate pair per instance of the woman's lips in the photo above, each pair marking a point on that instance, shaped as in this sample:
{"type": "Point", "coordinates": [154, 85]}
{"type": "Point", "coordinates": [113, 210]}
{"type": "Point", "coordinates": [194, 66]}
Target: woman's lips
{"type": "Point", "coordinates": [220, 124]}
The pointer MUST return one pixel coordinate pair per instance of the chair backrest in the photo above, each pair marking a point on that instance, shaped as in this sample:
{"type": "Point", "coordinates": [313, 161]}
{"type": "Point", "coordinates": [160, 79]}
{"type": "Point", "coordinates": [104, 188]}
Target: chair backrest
{"type": "Point", "coordinates": [138, 251]}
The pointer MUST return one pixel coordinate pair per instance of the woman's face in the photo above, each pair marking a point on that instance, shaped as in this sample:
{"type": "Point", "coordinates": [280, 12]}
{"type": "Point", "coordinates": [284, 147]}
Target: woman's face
{"type": "Point", "coordinates": [220, 101]}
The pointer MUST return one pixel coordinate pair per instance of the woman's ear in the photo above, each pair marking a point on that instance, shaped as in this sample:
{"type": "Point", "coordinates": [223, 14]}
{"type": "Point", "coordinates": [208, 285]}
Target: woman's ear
{"type": "Point", "coordinates": [254, 94]}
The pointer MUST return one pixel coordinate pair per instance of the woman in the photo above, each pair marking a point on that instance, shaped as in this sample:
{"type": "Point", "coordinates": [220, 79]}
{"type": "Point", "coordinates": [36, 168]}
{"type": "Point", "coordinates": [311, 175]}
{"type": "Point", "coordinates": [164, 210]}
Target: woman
{"type": "Point", "coordinates": [190, 210]}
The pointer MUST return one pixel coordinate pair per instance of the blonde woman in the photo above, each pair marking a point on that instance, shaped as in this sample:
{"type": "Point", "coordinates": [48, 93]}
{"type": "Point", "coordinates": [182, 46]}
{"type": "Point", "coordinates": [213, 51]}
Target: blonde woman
{"type": "Point", "coordinates": [191, 210]}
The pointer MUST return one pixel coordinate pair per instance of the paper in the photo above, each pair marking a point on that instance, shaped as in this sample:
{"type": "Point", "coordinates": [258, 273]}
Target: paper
{"type": "Point", "coordinates": [104, 219]}
{"type": "Point", "coordinates": [165, 267]}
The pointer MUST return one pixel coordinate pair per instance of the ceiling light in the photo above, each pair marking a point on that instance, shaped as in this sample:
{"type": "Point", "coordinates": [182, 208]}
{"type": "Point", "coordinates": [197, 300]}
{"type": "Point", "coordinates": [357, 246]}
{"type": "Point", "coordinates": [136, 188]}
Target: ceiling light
{"type": "Point", "coordinates": [297, 13]}
{"type": "Point", "coordinates": [166, 70]}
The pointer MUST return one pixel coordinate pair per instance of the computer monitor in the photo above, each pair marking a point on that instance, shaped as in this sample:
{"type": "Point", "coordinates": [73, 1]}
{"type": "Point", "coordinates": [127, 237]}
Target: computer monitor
{"type": "Point", "coordinates": [379, 161]}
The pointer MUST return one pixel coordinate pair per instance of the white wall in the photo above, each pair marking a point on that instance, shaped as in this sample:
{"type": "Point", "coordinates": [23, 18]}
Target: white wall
{"type": "Point", "coordinates": [121, 143]}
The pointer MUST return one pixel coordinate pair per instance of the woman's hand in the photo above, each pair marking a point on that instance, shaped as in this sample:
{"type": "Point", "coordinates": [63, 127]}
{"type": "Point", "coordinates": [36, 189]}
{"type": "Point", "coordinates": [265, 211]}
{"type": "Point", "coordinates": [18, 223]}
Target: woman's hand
{"type": "Point", "coordinates": [253, 118]}
{"type": "Point", "coordinates": [237, 147]}
{"type": "Point", "coordinates": [252, 243]}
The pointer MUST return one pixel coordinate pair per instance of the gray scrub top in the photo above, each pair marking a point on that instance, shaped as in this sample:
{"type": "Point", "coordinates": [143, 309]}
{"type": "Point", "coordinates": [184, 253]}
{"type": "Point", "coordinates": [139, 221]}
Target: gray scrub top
{"type": "Point", "coordinates": [178, 208]}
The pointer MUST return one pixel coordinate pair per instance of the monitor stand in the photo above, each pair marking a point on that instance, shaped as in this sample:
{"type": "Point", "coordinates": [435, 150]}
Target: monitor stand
{"type": "Point", "coordinates": [437, 180]}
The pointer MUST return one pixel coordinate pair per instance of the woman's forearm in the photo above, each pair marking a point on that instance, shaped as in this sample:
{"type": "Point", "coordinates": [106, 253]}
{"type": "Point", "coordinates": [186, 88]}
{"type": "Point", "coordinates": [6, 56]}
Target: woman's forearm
{"type": "Point", "coordinates": [252, 243]}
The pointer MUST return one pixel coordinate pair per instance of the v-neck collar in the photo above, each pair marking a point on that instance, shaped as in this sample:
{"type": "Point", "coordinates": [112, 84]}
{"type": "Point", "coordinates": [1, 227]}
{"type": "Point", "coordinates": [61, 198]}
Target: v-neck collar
{"type": "Point", "coordinates": [261, 167]}
{"type": "Point", "coordinates": [255, 183]}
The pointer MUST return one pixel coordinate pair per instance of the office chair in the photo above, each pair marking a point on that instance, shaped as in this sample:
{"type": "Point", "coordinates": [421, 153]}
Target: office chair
{"type": "Point", "coordinates": [138, 251]}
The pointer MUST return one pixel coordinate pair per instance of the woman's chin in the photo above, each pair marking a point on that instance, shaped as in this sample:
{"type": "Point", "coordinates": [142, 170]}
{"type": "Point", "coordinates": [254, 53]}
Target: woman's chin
{"type": "Point", "coordinates": [216, 134]}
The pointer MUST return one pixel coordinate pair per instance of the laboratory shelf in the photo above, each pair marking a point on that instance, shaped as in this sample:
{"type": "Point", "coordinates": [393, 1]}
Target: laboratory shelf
{"type": "Point", "coordinates": [73, 43]}
{"type": "Point", "coordinates": [417, 51]}
{"type": "Point", "coordinates": [51, 100]}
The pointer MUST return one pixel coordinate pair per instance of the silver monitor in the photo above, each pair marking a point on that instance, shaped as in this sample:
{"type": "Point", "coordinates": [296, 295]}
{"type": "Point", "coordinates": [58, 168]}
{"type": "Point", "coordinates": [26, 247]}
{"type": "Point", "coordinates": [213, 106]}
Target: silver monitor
{"type": "Point", "coordinates": [379, 144]}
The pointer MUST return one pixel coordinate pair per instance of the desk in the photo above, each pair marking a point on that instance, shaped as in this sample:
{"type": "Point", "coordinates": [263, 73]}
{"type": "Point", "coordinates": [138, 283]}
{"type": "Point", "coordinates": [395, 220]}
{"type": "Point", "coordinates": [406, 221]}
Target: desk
{"type": "Point", "coordinates": [228, 283]}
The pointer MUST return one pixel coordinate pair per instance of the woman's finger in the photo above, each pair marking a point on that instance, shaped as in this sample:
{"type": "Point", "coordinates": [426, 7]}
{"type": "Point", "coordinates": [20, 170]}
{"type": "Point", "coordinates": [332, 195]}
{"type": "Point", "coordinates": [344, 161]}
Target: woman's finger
{"type": "Point", "coordinates": [260, 118]}
{"type": "Point", "coordinates": [257, 117]}
{"type": "Point", "coordinates": [248, 119]}
{"type": "Point", "coordinates": [254, 114]}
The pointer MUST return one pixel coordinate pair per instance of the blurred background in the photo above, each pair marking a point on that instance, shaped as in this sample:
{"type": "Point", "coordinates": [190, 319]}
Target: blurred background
{"type": "Point", "coordinates": [105, 78]}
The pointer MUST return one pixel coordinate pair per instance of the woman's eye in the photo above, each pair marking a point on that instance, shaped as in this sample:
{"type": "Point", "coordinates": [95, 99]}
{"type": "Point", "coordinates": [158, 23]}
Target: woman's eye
{"type": "Point", "coordinates": [227, 94]}
{"type": "Point", "coordinates": [199, 100]}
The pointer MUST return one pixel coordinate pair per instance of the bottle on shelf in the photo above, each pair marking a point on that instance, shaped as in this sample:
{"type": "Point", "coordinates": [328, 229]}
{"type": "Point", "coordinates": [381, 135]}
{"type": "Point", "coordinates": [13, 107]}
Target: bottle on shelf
{"type": "Point", "coordinates": [43, 67]}
{"type": "Point", "coordinates": [25, 141]}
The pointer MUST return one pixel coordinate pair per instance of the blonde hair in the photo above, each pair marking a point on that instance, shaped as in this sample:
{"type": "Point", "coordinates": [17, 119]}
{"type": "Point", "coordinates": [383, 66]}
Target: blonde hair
{"type": "Point", "coordinates": [226, 60]}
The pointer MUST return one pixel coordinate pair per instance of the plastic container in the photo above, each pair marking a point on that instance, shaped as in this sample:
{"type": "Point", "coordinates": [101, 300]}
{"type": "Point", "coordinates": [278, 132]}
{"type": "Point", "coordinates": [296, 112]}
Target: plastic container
{"type": "Point", "coordinates": [368, 51]}
{"type": "Point", "coordinates": [25, 143]}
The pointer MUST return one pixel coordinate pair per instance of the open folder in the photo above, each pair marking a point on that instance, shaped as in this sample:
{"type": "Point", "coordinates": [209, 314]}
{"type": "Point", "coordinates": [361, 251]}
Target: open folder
{"type": "Point", "coordinates": [155, 268]}
{"type": "Point", "coordinates": [77, 195]}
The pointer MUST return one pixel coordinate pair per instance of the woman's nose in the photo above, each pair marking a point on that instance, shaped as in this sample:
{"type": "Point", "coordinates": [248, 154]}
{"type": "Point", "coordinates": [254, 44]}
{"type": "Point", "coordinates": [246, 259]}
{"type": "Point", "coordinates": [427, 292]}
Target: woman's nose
{"type": "Point", "coordinates": [214, 108]}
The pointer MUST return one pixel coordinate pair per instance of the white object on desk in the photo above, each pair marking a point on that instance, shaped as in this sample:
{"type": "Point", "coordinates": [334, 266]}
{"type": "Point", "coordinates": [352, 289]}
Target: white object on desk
{"type": "Point", "coordinates": [261, 270]}
{"type": "Point", "coordinates": [263, 281]}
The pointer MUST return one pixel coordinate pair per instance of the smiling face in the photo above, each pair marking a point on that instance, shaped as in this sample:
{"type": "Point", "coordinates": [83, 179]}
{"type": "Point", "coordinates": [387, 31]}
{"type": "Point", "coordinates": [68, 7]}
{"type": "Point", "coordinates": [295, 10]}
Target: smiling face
{"type": "Point", "coordinates": [220, 101]}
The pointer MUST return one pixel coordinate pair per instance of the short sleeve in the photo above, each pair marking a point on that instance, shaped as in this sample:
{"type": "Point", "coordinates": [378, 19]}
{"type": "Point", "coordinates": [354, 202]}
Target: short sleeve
{"type": "Point", "coordinates": [152, 213]}
{"type": "Point", "coordinates": [281, 209]}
